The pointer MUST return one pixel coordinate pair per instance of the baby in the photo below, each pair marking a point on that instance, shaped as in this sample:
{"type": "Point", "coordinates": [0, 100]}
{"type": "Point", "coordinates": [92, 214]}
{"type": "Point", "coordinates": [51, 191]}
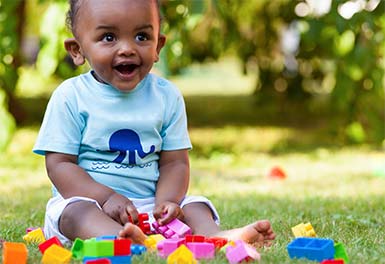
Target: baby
{"type": "Point", "coordinates": [115, 139]}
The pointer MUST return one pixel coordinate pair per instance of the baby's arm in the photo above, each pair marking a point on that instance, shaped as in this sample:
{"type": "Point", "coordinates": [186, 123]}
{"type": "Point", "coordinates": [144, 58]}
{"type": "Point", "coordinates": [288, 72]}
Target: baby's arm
{"type": "Point", "coordinates": [71, 180]}
{"type": "Point", "coordinates": [174, 176]}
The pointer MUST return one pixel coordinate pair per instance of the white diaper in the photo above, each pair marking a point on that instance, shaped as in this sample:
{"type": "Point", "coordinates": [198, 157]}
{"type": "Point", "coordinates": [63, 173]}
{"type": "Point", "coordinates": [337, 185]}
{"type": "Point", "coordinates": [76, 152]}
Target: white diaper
{"type": "Point", "coordinates": [56, 205]}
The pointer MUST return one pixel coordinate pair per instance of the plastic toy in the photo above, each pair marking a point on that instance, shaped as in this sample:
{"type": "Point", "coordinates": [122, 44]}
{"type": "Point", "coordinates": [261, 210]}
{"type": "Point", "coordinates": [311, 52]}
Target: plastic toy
{"type": "Point", "coordinates": [98, 261]}
{"type": "Point", "coordinates": [202, 250]}
{"type": "Point", "coordinates": [167, 246]}
{"type": "Point", "coordinates": [14, 253]}
{"type": "Point", "coordinates": [333, 261]}
{"type": "Point", "coordinates": [77, 248]}
{"type": "Point", "coordinates": [194, 238]}
{"type": "Point", "coordinates": [317, 249]}
{"type": "Point", "coordinates": [241, 252]}
{"type": "Point", "coordinates": [98, 248]}
{"type": "Point", "coordinates": [34, 236]}
{"type": "Point", "coordinates": [181, 255]}
{"type": "Point", "coordinates": [303, 230]}
{"type": "Point", "coordinates": [143, 223]}
{"type": "Point", "coordinates": [46, 244]}
{"type": "Point", "coordinates": [152, 240]}
{"type": "Point", "coordinates": [138, 249]}
{"type": "Point", "coordinates": [277, 173]}
{"type": "Point", "coordinates": [174, 229]}
{"type": "Point", "coordinates": [218, 242]}
{"type": "Point", "coordinates": [56, 255]}
{"type": "Point", "coordinates": [340, 252]}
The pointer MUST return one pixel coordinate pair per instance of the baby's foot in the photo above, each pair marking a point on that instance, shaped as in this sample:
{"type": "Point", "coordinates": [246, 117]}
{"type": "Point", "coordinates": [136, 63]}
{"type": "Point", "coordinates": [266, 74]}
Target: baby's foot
{"type": "Point", "coordinates": [259, 233]}
{"type": "Point", "coordinates": [132, 232]}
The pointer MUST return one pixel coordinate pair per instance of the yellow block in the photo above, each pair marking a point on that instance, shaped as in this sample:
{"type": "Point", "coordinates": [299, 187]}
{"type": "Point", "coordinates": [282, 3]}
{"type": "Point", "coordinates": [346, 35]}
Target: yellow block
{"type": "Point", "coordinates": [303, 230]}
{"type": "Point", "coordinates": [56, 254]}
{"type": "Point", "coordinates": [35, 236]}
{"type": "Point", "coordinates": [182, 255]}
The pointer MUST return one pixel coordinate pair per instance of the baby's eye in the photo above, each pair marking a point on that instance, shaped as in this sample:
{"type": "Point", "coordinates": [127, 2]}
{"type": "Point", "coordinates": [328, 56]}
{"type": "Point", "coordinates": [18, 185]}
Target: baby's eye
{"type": "Point", "coordinates": [108, 37]}
{"type": "Point", "coordinates": [141, 37]}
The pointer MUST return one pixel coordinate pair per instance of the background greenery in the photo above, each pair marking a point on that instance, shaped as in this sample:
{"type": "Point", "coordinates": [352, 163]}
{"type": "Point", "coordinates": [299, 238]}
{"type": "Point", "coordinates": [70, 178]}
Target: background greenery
{"type": "Point", "coordinates": [316, 110]}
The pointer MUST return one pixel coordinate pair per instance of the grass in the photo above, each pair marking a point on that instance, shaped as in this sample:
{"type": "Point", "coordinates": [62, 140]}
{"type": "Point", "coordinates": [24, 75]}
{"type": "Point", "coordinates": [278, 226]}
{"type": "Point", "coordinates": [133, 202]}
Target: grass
{"type": "Point", "coordinates": [236, 142]}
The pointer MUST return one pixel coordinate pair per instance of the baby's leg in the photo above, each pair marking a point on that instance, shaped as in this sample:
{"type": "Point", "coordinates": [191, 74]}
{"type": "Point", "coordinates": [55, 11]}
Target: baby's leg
{"type": "Point", "coordinates": [199, 217]}
{"type": "Point", "coordinates": [83, 219]}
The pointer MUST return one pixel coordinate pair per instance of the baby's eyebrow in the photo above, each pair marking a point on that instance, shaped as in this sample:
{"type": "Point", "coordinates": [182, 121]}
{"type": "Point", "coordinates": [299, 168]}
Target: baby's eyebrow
{"type": "Point", "coordinates": [105, 27]}
{"type": "Point", "coordinates": [144, 27]}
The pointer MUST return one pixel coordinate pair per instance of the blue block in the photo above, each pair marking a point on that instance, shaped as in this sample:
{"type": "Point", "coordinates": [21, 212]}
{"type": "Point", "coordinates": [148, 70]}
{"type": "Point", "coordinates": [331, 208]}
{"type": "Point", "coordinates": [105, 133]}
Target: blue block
{"type": "Point", "coordinates": [114, 260]}
{"type": "Point", "coordinates": [317, 249]}
{"type": "Point", "coordinates": [106, 238]}
{"type": "Point", "coordinates": [137, 249]}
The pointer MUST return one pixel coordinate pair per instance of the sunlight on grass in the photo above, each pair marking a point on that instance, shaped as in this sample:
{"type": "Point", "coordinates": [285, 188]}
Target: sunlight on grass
{"type": "Point", "coordinates": [224, 78]}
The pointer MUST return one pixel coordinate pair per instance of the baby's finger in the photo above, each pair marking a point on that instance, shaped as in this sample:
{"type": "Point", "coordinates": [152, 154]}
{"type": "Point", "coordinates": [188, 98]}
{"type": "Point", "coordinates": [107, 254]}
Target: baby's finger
{"type": "Point", "coordinates": [132, 215]}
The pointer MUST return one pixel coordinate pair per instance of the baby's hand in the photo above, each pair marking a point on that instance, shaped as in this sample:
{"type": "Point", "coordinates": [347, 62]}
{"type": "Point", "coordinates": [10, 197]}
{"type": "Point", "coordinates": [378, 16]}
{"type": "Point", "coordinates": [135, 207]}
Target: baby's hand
{"type": "Point", "coordinates": [166, 212]}
{"type": "Point", "coordinates": [120, 208]}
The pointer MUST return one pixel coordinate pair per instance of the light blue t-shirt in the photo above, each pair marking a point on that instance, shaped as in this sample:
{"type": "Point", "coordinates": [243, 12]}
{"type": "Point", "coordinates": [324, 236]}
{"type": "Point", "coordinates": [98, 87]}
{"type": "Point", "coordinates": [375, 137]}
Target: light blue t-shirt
{"type": "Point", "coordinates": [116, 135]}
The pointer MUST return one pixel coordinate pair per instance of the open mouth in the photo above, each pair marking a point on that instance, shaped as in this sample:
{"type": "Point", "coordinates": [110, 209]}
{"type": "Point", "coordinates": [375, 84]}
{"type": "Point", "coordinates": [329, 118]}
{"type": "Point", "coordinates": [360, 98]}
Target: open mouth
{"type": "Point", "coordinates": [126, 68]}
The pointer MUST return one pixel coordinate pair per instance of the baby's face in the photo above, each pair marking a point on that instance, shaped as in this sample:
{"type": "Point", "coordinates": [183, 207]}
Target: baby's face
{"type": "Point", "coordinates": [120, 39]}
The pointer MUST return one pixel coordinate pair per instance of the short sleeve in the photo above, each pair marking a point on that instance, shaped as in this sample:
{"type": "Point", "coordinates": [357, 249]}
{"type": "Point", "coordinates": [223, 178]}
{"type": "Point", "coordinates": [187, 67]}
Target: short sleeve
{"type": "Point", "coordinates": [175, 133]}
{"type": "Point", "coordinates": [61, 129]}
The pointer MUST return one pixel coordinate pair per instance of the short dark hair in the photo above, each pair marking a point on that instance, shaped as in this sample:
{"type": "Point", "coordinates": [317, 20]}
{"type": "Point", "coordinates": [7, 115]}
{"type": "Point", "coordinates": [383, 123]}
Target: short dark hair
{"type": "Point", "coordinates": [75, 6]}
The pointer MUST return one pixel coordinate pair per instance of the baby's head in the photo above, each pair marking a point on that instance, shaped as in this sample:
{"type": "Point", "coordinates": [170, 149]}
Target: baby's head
{"type": "Point", "coordinates": [120, 39]}
{"type": "Point", "coordinates": [74, 6]}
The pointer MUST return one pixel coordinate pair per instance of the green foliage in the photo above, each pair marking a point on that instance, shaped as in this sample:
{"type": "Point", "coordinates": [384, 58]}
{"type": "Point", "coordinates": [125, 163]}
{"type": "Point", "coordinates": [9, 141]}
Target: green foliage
{"type": "Point", "coordinates": [7, 123]}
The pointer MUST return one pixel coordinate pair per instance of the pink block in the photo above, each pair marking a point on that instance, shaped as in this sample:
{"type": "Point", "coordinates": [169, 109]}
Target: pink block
{"type": "Point", "coordinates": [179, 227]}
{"type": "Point", "coordinates": [167, 246]}
{"type": "Point", "coordinates": [174, 229]}
{"type": "Point", "coordinates": [240, 252]}
{"type": "Point", "coordinates": [202, 250]}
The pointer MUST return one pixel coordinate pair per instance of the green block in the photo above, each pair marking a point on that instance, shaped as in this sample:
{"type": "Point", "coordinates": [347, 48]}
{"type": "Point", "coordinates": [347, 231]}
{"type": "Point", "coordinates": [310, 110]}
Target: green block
{"type": "Point", "coordinates": [340, 252]}
{"type": "Point", "coordinates": [77, 249]}
{"type": "Point", "coordinates": [98, 248]}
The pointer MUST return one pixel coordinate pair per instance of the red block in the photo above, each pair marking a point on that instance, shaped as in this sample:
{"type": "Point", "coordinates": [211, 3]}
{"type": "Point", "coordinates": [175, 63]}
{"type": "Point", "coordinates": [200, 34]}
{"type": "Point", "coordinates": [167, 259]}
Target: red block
{"type": "Point", "coordinates": [99, 261]}
{"type": "Point", "coordinates": [46, 244]}
{"type": "Point", "coordinates": [217, 241]}
{"type": "Point", "coordinates": [333, 261]}
{"type": "Point", "coordinates": [122, 247]}
{"type": "Point", "coordinates": [194, 238]}
{"type": "Point", "coordinates": [277, 173]}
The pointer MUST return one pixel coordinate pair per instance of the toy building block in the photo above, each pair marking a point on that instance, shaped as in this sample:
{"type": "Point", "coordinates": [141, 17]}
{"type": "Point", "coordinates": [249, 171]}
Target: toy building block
{"type": "Point", "coordinates": [138, 249]}
{"type": "Point", "coordinates": [106, 238]}
{"type": "Point", "coordinates": [174, 229]}
{"type": "Point", "coordinates": [49, 242]}
{"type": "Point", "coordinates": [122, 247]}
{"type": "Point", "coordinates": [29, 229]}
{"type": "Point", "coordinates": [194, 238]}
{"type": "Point", "coordinates": [218, 242]}
{"type": "Point", "coordinates": [167, 246]}
{"type": "Point", "coordinates": [77, 249]}
{"type": "Point", "coordinates": [333, 261]}
{"type": "Point", "coordinates": [34, 236]}
{"type": "Point", "coordinates": [98, 261]}
{"type": "Point", "coordinates": [98, 248]}
{"type": "Point", "coordinates": [111, 259]}
{"type": "Point", "coordinates": [303, 230]}
{"type": "Point", "coordinates": [277, 173]}
{"type": "Point", "coordinates": [14, 253]}
{"type": "Point", "coordinates": [340, 252]}
{"type": "Point", "coordinates": [56, 255]}
{"type": "Point", "coordinates": [241, 252]}
{"type": "Point", "coordinates": [152, 240]}
{"type": "Point", "coordinates": [202, 250]}
{"type": "Point", "coordinates": [317, 249]}
{"type": "Point", "coordinates": [182, 255]}
{"type": "Point", "coordinates": [143, 223]}
{"type": "Point", "coordinates": [228, 244]}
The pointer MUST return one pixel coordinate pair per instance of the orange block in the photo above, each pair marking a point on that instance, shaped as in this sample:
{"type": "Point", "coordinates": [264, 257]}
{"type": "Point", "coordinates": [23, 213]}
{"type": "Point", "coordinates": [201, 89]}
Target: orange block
{"type": "Point", "coordinates": [14, 253]}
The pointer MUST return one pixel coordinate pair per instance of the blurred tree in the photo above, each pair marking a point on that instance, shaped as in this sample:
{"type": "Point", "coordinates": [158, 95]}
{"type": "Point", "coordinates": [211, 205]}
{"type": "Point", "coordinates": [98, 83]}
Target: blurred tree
{"type": "Point", "coordinates": [12, 14]}
{"type": "Point", "coordinates": [295, 52]}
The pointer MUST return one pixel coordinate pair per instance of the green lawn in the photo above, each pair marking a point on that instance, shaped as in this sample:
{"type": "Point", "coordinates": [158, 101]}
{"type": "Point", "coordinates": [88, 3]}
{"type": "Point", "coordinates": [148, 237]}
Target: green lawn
{"type": "Point", "coordinates": [339, 189]}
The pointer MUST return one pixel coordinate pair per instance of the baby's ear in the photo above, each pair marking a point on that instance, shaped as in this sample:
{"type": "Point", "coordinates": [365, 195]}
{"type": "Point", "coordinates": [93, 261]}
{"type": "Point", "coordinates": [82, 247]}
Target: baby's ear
{"type": "Point", "coordinates": [161, 43]}
{"type": "Point", "coordinates": [73, 48]}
